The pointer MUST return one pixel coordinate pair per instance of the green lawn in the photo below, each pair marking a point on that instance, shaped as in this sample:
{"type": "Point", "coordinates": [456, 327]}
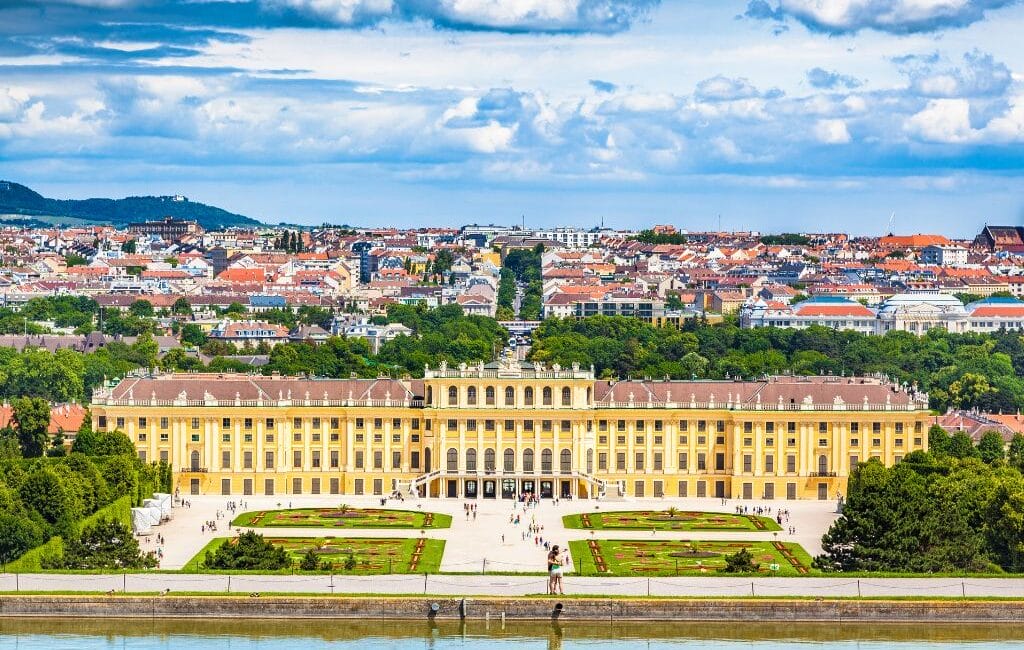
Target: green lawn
{"type": "Point", "coordinates": [661, 520]}
{"type": "Point", "coordinates": [342, 518]}
{"type": "Point", "coordinates": [669, 558]}
{"type": "Point", "coordinates": [372, 555]}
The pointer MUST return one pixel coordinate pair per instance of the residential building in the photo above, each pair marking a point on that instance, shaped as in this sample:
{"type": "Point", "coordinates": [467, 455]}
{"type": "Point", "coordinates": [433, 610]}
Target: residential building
{"type": "Point", "coordinates": [944, 255]}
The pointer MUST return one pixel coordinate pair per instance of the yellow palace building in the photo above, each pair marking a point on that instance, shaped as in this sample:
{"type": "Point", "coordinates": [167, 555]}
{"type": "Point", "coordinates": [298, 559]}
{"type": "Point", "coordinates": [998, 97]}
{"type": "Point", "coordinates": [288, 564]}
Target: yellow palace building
{"type": "Point", "coordinates": [498, 430]}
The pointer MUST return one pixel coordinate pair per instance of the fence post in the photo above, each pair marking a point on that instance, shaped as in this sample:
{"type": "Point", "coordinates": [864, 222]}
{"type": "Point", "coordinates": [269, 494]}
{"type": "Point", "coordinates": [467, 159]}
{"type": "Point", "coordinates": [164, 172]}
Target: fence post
{"type": "Point", "coordinates": [963, 589]}
{"type": "Point", "coordinates": [751, 587]}
{"type": "Point", "coordinates": [648, 586]}
{"type": "Point", "coordinates": [484, 568]}
{"type": "Point", "coordinates": [229, 584]}
{"type": "Point", "coordinates": [124, 583]}
{"type": "Point", "coordinates": [858, 588]}
{"type": "Point", "coordinates": [425, 574]}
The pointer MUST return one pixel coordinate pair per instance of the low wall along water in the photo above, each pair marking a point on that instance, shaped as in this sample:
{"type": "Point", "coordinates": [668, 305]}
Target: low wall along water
{"type": "Point", "coordinates": [497, 609]}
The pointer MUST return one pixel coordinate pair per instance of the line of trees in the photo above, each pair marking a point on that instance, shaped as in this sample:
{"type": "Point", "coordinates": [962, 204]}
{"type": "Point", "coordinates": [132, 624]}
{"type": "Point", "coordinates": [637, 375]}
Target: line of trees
{"type": "Point", "coordinates": [522, 266]}
{"type": "Point", "coordinates": [659, 238]}
{"type": "Point", "coordinates": [42, 497]}
{"type": "Point", "coordinates": [981, 371]}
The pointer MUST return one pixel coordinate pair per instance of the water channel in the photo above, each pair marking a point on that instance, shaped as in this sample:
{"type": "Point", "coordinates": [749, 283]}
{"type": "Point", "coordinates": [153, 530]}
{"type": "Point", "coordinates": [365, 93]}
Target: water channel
{"type": "Point", "coordinates": [196, 634]}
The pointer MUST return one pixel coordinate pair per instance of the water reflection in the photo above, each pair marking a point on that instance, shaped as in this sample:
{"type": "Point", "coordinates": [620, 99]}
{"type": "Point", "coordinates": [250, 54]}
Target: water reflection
{"type": "Point", "coordinates": [192, 634]}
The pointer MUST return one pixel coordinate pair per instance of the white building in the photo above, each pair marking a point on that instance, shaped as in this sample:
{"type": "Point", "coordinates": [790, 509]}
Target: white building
{"type": "Point", "coordinates": [947, 255]}
{"type": "Point", "coordinates": [572, 237]}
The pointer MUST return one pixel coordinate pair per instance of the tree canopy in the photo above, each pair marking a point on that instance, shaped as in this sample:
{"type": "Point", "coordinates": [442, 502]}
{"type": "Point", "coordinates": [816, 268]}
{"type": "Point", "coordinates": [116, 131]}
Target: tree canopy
{"type": "Point", "coordinates": [938, 511]}
{"type": "Point", "coordinates": [972, 371]}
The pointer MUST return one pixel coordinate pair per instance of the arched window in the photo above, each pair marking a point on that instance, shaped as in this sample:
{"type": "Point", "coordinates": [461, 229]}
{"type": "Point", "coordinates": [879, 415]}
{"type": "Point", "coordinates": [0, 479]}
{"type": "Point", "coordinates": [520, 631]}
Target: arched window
{"type": "Point", "coordinates": [430, 395]}
{"type": "Point", "coordinates": [453, 460]}
{"type": "Point", "coordinates": [547, 396]}
{"type": "Point", "coordinates": [453, 396]}
{"type": "Point", "coordinates": [471, 460]}
{"type": "Point", "coordinates": [489, 460]}
{"type": "Point", "coordinates": [471, 395]}
{"type": "Point", "coordinates": [528, 396]}
{"type": "Point", "coordinates": [489, 396]}
{"type": "Point", "coordinates": [590, 461]}
{"type": "Point", "coordinates": [565, 461]}
{"type": "Point", "coordinates": [510, 460]}
{"type": "Point", "coordinates": [510, 396]}
{"type": "Point", "coordinates": [194, 461]}
{"type": "Point", "coordinates": [527, 460]}
{"type": "Point", "coordinates": [823, 464]}
{"type": "Point", "coordinates": [566, 397]}
{"type": "Point", "coordinates": [545, 461]}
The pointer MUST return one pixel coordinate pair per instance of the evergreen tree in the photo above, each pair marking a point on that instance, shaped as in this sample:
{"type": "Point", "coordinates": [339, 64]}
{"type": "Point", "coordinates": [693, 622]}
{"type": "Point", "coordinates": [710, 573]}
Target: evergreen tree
{"type": "Point", "coordinates": [248, 551]}
{"type": "Point", "coordinates": [106, 544]}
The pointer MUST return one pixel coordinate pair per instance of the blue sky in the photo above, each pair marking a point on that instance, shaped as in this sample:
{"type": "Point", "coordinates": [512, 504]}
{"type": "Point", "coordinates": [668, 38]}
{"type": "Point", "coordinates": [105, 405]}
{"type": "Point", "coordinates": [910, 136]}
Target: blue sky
{"type": "Point", "coordinates": [774, 114]}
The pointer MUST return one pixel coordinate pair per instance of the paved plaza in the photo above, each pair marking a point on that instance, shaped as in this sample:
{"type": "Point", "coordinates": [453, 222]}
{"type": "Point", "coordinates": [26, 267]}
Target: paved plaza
{"type": "Point", "coordinates": [488, 542]}
{"type": "Point", "coordinates": [476, 545]}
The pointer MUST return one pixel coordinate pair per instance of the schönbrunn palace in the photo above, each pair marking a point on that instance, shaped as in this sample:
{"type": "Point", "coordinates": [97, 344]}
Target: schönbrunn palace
{"type": "Point", "coordinates": [494, 431]}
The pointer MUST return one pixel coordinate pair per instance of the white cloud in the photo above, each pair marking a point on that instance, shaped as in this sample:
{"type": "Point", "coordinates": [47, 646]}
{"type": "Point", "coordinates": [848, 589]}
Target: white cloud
{"type": "Point", "coordinates": [896, 16]}
{"type": "Point", "coordinates": [831, 132]}
{"type": "Point", "coordinates": [1008, 127]}
{"type": "Point", "coordinates": [979, 76]}
{"type": "Point", "coordinates": [12, 103]}
{"type": "Point", "coordinates": [510, 15]}
{"type": "Point", "coordinates": [943, 121]}
{"type": "Point", "coordinates": [343, 12]}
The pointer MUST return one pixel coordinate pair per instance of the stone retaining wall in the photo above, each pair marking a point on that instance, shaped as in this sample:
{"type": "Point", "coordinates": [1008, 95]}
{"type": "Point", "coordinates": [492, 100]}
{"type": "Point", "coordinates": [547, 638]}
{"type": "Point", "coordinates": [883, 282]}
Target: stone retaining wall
{"type": "Point", "coordinates": [568, 609]}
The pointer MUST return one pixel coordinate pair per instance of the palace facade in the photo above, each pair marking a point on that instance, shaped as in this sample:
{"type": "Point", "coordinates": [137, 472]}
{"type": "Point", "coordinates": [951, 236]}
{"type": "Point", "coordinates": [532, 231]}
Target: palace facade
{"type": "Point", "coordinates": [498, 430]}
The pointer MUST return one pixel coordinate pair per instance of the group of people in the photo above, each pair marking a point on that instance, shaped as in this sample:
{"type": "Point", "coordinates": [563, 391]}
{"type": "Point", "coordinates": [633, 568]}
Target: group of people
{"type": "Point", "coordinates": [470, 509]}
{"type": "Point", "coordinates": [557, 561]}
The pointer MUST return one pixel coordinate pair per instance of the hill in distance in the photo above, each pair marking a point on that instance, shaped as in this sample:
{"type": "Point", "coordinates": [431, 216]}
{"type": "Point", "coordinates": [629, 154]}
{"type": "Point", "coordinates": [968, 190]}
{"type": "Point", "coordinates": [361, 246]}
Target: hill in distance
{"type": "Point", "coordinates": [16, 199]}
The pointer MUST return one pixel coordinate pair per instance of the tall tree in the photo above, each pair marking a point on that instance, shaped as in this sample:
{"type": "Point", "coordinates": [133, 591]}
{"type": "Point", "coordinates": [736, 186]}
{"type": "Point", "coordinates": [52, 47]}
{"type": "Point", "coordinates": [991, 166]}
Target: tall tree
{"type": "Point", "coordinates": [106, 544]}
{"type": "Point", "coordinates": [990, 447]}
{"type": "Point", "coordinates": [32, 417]}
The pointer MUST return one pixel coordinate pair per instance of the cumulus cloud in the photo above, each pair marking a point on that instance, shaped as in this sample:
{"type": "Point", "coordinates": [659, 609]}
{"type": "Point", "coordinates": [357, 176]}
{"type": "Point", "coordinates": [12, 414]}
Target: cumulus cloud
{"type": "Point", "coordinates": [949, 121]}
{"type": "Point", "coordinates": [341, 12]}
{"type": "Point", "coordinates": [827, 79]}
{"type": "Point", "coordinates": [894, 16]}
{"type": "Point", "coordinates": [12, 104]}
{"type": "Point", "coordinates": [945, 121]}
{"type": "Point", "coordinates": [979, 76]}
{"type": "Point", "coordinates": [726, 89]}
{"type": "Point", "coordinates": [831, 132]}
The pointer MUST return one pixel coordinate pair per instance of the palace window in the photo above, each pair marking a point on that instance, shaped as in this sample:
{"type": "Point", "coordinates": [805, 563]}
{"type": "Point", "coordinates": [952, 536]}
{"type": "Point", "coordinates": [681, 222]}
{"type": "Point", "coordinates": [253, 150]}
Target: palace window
{"type": "Point", "coordinates": [510, 396]}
